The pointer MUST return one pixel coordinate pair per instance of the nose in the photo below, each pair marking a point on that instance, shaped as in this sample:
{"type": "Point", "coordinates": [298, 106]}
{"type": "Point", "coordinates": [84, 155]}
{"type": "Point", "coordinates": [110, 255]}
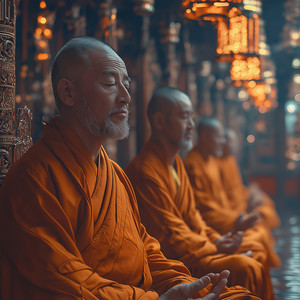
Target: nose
{"type": "Point", "coordinates": [191, 123]}
{"type": "Point", "coordinates": [124, 94]}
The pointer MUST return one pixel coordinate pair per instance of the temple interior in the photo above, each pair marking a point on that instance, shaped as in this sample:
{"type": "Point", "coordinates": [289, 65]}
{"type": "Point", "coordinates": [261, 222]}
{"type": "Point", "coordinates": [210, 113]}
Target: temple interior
{"type": "Point", "coordinates": [238, 60]}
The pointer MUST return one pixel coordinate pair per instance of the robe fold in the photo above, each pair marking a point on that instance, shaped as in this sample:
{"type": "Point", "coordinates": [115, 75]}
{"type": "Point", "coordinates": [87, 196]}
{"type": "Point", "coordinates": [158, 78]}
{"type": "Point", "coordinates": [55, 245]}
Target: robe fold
{"type": "Point", "coordinates": [211, 199]}
{"type": "Point", "coordinates": [239, 194]}
{"type": "Point", "coordinates": [71, 230]}
{"type": "Point", "coordinates": [169, 213]}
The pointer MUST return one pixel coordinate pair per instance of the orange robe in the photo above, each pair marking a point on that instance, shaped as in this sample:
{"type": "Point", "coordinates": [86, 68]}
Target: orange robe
{"type": "Point", "coordinates": [239, 194]}
{"type": "Point", "coordinates": [70, 230]}
{"type": "Point", "coordinates": [211, 199]}
{"type": "Point", "coordinates": [169, 213]}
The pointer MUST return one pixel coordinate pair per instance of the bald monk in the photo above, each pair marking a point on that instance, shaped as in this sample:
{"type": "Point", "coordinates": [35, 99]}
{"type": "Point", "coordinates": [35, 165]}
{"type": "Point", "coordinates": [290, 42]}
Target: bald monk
{"type": "Point", "coordinates": [244, 198]}
{"type": "Point", "coordinates": [210, 195]}
{"type": "Point", "coordinates": [167, 204]}
{"type": "Point", "coordinates": [70, 227]}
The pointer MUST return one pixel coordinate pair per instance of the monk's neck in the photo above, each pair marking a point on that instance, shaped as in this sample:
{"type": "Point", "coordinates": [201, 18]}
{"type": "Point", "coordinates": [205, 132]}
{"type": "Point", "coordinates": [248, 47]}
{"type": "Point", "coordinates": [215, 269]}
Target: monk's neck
{"type": "Point", "coordinates": [91, 142]}
{"type": "Point", "coordinates": [169, 151]}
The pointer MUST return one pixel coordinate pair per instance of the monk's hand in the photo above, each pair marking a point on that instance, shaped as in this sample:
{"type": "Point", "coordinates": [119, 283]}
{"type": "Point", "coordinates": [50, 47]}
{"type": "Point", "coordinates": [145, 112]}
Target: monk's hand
{"type": "Point", "coordinates": [189, 290]}
{"type": "Point", "coordinates": [229, 242]}
{"type": "Point", "coordinates": [245, 221]}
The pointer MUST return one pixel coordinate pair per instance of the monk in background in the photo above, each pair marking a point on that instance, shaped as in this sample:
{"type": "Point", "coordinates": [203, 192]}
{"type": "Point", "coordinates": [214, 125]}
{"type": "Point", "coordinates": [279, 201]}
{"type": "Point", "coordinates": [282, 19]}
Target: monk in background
{"type": "Point", "coordinates": [244, 198]}
{"type": "Point", "coordinates": [70, 227]}
{"type": "Point", "coordinates": [167, 206]}
{"type": "Point", "coordinates": [210, 195]}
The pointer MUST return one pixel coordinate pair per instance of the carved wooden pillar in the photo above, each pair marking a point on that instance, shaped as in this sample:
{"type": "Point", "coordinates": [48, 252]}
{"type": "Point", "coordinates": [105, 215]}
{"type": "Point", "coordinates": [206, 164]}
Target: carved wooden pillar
{"type": "Point", "coordinates": [7, 85]}
{"type": "Point", "coordinates": [15, 131]}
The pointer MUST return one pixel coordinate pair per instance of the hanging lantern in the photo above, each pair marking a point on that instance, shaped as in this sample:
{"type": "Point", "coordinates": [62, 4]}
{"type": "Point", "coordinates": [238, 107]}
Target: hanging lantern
{"type": "Point", "coordinates": [243, 34]}
{"type": "Point", "coordinates": [211, 10]}
{"type": "Point", "coordinates": [245, 68]}
{"type": "Point", "coordinates": [262, 95]}
{"type": "Point", "coordinates": [143, 7]}
{"type": "Point", "coordinates": [240, 36]}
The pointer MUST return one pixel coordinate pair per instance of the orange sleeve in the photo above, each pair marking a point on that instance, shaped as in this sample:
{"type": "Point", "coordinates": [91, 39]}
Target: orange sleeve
{"type": "Point", "coordinates": [216, 216]}
{"type": "Point", "coordinates": [162, 220]}
{"type": "Point", "coordinates": [37, 238]}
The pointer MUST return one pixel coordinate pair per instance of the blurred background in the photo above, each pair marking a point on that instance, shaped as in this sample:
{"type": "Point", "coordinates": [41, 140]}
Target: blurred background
{"type": "Point", "coordinates": [238, 60]}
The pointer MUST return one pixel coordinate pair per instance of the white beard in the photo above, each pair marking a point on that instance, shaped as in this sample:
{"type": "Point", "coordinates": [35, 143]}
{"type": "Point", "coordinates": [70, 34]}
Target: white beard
{"type": "Point", "coordinates": [186, 145]}
{"type": "Point", "coordinates": [107, 129]}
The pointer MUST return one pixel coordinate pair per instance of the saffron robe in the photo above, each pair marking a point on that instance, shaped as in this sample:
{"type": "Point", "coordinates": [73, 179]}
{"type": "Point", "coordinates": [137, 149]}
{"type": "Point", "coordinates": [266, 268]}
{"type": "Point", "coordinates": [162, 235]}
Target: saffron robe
{"type": "Point", "coordinates": [169, 213]}
{"type": "Point", "coordinates": [211, 199]}
{"type": "Point", "coordinates": [239, 194]}
{"type": "Point", "coordinates": [70, 230]}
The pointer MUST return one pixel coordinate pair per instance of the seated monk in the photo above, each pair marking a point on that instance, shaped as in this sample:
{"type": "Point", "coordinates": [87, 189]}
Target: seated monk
{"type": "Point", "coordinates": [244, 198]}
{"type": "Point", "coordinates": [70, 227]}
{"type": "Point", "coordinates": [210, 195]}
{"type": "Point", "coordinates": [167, 206]}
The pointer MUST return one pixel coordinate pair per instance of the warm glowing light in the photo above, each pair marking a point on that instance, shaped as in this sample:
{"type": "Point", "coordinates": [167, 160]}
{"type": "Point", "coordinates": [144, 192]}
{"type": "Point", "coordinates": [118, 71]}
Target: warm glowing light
{"type": "Point", "coordinates": [294, 35]}
{"type": "Point", "coordinates": [250, 7]}
{"type": "Point", "coordinates": [245, 69]}
{"type": "Point", "coordinates": [43, 5]}
{"type": "Point", "coordinates": [211, 10]}
{"type": "Point", "coordinates": [38, 31]}
{"type": "Point", "coordinates": [18, 99]}
{"type": "Point", "coordinates": [48, 33]}
{"type": "Point", "coordinates": [200, 5]}
{"type": "Point", "coordinates": [42, 20]}
{"type": "Point", "coordinates": [42, 44]}
{"type": "Point", "coordinates": [252, 84]}
{"type": "Point", "coordinates": [297, 78]}
{"type": "Point", "coordinates": [238, 36]}
{"type": "Point", "coordinates": [250, 138]}
{"type": "Point", "coordinates": [42, 56]}
{"type": "Point", "coordinates": [220, 4]}
{"type": "Point", "coordinates": [243, 95]}
{"type": "Point", "coordinates": [262, 95]}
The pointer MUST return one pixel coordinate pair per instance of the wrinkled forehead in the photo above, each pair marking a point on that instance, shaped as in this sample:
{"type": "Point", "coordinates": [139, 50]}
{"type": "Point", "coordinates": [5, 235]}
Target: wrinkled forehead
{"type": "Point", "coordinates": [182, 100]}
{"type": "Point", "coordinates": [106, 59]}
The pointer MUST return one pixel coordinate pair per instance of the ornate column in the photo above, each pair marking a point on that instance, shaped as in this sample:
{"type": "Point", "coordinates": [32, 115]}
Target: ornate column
{"type": "Point", "coordinates": [15, 137]}
{"type": "Point", "coordinates": [7, 85]}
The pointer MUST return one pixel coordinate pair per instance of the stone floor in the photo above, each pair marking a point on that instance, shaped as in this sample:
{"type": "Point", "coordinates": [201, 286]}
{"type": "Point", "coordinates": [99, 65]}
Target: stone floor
{"type": "Point", "coordinates": [286, 279]}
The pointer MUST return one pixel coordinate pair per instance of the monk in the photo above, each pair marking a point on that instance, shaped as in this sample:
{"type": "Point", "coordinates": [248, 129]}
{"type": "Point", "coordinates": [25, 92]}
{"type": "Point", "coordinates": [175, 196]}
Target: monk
{"type": "Point", "coordinates": [70, 227]}
{"type": "Point", "coordinates": [244, 198]}
{"type": "Point", "coordinates": [210, 195]}
{"type": "Point", "coordinates": [167, 206]}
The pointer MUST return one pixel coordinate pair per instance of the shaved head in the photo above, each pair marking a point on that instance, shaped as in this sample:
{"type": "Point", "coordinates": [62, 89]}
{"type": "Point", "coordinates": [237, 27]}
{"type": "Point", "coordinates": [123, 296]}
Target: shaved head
{"type": "Point", "coordinates": [208, 124]}
{"type": "Point", "coordinates": [73, 59]}
{"type": "Point", "coordinates": [210, 136]}
{"type": "Point", "coordinates": [163, 100]}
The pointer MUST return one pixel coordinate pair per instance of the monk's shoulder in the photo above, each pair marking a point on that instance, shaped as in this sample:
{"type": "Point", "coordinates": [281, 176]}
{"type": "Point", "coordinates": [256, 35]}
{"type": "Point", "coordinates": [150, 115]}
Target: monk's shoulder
{"type": "Point", "coordinates": [144, 166]}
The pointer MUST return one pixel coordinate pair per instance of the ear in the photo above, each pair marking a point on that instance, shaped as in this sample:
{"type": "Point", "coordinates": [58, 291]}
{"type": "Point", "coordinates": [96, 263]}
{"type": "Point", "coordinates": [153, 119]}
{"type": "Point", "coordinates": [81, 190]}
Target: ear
{"type": "Point", "coordinates": [158, 121]}
{"type": "Point", "coordinates": [65, 90]}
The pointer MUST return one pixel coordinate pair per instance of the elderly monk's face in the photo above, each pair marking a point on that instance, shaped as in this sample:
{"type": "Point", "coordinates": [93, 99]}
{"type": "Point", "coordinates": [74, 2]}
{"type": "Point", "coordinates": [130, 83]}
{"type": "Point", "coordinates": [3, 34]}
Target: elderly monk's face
{"type": "Point", "coordinates": [180, 123]}
{"type": "Point", "coordinates": [103, 95]}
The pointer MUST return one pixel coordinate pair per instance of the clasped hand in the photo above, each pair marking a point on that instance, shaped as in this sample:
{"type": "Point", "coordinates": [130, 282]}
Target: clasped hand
{"type": "Point", "coordinates": [188, 291]}
{"type": "Point", "coordinates": [230, 242]}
